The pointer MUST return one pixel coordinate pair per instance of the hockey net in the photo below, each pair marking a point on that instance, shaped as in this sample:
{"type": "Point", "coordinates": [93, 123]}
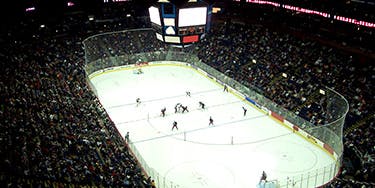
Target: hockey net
{"type": "Point", "coordinates": [138, 67]}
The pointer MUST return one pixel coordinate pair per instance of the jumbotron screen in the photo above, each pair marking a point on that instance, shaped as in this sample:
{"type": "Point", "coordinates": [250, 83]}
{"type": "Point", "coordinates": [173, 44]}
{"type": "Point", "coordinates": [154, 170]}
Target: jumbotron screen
{"type": "Point", "coordinates": [154, 15]}
{"type": "Point", "coordinates": [180, 25]}
{"type": "Point", "coordinates": [192, 16]}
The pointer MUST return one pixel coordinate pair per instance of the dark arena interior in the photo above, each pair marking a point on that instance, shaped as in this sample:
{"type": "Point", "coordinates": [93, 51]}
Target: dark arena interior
{"type": "Point", "coordinates": [56, 133]}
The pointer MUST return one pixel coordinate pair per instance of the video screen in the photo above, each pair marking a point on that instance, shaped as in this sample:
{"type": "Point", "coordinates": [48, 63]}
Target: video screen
{"type": "Point", "coordinates": [188, 39]}
{"type": "Point", "coordinates": [172, 39]}
{"type": "Point", "coordinates": [154, 15]}
{"type": "Point", "coordinates": [192, 16]}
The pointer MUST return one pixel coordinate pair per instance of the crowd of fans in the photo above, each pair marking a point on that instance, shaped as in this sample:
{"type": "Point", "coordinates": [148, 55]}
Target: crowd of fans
{"type": "Point", "coordinates": [258, 57]}
{"type": "Point", "coordinates": [290, 71]}
{"type": "Point", "coordinates": [54, 130]}
{"type": "Point", "coordinates": [325, 28]}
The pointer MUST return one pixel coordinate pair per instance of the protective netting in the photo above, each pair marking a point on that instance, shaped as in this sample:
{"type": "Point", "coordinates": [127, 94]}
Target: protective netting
{"type": "Point", "coordinates": [134, 46]}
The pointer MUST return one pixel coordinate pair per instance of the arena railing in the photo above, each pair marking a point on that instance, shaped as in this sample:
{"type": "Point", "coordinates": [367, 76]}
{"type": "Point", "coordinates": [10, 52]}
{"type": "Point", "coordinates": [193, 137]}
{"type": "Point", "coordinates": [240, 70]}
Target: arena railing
{"type": "Point", "coordinates": [113, 49]}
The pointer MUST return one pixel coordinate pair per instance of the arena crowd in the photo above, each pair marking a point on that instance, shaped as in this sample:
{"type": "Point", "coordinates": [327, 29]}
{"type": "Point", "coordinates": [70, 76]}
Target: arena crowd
{"type": "Point", "coordinates": [258, 57]}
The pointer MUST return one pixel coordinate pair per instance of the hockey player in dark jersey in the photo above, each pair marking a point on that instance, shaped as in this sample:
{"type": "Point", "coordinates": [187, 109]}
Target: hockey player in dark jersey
{"type": "Point", "coordinates": [174, 125]}
{"type": "Point", "coordinates": [244, 111]}
{"type": "Point", "coordinates": [263, 177]}
{"type": "Point", "coordinates": [211, 121]}
{"type": "Point", "coordinates": [138, 101]}
{"type": "Point", "coordinates": [184, 109]}
{"type": "Point", "coordinates": [201, 104]}
{"type": "Point", "coordinates": [163, 112]}
{"type": "Point", "coordinates": [225, 88]}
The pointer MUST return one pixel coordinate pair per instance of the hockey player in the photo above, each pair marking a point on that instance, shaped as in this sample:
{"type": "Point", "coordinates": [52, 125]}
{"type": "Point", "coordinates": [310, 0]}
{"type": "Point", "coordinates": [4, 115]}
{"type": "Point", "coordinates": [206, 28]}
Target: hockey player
{"type": "Point", "coordinates": [184, 109]}
{"type": "Point", "coordinates": [201, 104]}
{"type": "Point", "coordinates": [163, 112]}
{"type": "Point", "coordinates": [138, 101]}
{"type": "Point", "coordinates": [177, 107]}
{"type": "Point", "coordinates": [211, 121]}
{"type": "Point", "coordinates": [263, 177]}
{"type": "Point", "coordinates": [244, 111]}
{"type": "Point", "coordinates": [225, 88]}
{"type": "Point", "coordinates": [174, 125]}
{"type": "Point", "coordinates": [188, 93]}
{"type": "Point", "coordinates": [127, 137]}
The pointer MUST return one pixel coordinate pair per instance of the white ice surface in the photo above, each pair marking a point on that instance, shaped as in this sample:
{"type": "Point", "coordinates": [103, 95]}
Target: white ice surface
{"type": "Point", "coordinates": [199, 155]}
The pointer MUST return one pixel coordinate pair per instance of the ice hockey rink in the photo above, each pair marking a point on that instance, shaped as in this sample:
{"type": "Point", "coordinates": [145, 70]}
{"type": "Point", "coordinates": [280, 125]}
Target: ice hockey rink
{"type": "Point", "coordinates": [231, 153]}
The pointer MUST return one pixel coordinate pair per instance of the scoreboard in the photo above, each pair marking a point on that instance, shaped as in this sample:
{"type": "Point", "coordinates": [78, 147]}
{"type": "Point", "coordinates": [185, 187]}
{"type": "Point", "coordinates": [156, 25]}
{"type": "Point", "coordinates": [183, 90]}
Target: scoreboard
{"type": "Point", "coordinates": [180, 24]}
